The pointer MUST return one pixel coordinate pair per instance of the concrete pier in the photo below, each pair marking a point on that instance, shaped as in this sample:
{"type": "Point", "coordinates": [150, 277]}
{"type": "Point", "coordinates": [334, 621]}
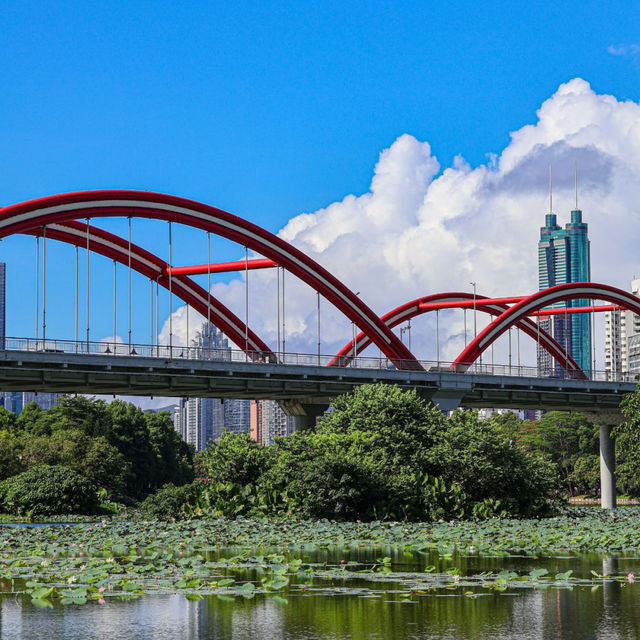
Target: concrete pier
{"type": "Point", "coordinates": [607, 468]}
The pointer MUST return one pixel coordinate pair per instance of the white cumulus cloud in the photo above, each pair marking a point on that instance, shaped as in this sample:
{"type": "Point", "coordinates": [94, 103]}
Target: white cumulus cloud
{"type": "Point", "coordinates": [422, 228]}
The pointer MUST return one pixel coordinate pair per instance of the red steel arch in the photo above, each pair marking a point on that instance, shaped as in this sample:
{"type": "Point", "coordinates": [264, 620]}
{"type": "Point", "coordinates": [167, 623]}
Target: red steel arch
{"type": "Point", "coordinates": [20, 217]}
{"type": "Point", "coordinates": [539, 300]}
{"type": "Point", "coordinates": [413, 308]}
{"type": "Point", "coordinates": [143, 262]}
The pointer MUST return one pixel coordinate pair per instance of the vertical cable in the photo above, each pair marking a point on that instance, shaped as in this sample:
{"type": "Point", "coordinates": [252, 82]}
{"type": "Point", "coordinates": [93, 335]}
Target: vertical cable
{"type": "Point", "coordinates": [157, 317]}
{"type": "Point", "coordinates": [37, 289]}
{"type": "Point", "coordinates": [566, 341]}
{"type": "Point", "coordinates": [509, 350]}
{"type": "Point", "coordinates": [278, 306]}
{"type": "Point", "coordinates": [518, 339]}
{"type": "Point", "coordinates": [464, 311]}
{"type": "Point", "coordinates": [115, 298]}
{"type": "Point", "coordinates": [284, 335]}
{"type": "Point", "coordinates": [129, 293]}
{"type": "Point", "coordinates": [538, 352]}
{"type": "Point", "coordinates": [44, 285]}
{"type": "Point", "coordinates": [77, 294]}
{"type": "Point", "coordinates": [593, 342]}
{"type": "Point", "coordinates": [355, 344]}
{"type": "Point", "coordinates": [438, 336]}
{"type": "Point", "coordinates": [208, 280]}
{"type": "Point", "coordinates": [170, 296]}
{"type": "Point", "coordinates": [151, 317]}
{"type": "Point", "coordinates": [88, 285]}
{"type": "Point", "coordinates": [187, 329]}
{"type": "Point", "coordinates": [246, 300]}
{"type": "Point", "coordinates": [318, 293]}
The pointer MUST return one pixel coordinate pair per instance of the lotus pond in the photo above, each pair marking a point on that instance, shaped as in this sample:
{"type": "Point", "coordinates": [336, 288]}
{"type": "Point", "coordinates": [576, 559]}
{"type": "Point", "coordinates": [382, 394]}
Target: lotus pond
{"type": "Point", "coordinates": [569, 577]}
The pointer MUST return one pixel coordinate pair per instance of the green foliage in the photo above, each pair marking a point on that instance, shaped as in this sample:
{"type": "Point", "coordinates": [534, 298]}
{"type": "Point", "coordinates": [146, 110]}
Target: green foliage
{"type": "Point", "coordinates": [382, 453]}
{"type": "Point", "coordinates": [169, 502]}
{"type": "Point", "coordinates": [48, 490]}
{"type": "Point", "coordinates": [94, 458]}
{"type": "Point", "coordinates": [11, 462]}
{"type": "Point", "coordinates": [585, 476]}
{"type": "Point", "coordinates": [486, 464]}
{"type": "Point", "coordinates": [627, 437]}
{"type": "Point", "coordinates": [235, 458]}
{"type": "Point", "coordinates": [563, 438]}
{"type": "Point", "coordinates": [115, 445]}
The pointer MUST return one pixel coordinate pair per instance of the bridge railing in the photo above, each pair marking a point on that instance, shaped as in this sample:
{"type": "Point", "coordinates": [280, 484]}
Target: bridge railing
{"type": "Point", "coordinates": [226, 354]}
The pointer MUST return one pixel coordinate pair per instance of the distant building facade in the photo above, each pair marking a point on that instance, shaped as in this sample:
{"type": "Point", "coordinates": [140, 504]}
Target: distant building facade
{"type": "Point", "coordinates": [622, 338]}
{"type": "Point", "coordinates": [269, 421]}
{"type": "Point", "coordinates": [202, 420]}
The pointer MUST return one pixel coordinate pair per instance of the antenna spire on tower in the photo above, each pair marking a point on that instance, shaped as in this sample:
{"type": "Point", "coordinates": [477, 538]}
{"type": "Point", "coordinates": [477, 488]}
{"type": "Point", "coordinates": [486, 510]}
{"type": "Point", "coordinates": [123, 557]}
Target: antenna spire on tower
{"type": "Point", "coordinates": [575, 178]}
{"type": "Point", "coordinates": [550, 189]}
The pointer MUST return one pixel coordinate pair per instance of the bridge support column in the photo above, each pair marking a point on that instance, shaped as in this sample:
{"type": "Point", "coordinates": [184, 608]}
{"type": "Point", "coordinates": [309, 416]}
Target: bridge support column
{"type": "Point", "coordinates": [607, 468]}
{"type": "Point", "coordinates": [304, 414]}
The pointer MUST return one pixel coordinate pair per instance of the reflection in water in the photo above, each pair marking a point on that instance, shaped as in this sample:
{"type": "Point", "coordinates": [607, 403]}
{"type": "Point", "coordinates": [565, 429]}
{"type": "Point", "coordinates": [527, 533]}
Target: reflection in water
{"type": "Point", "coordinates": [579, 614]}
{"type": "Point", "coordinates": [601, 610]}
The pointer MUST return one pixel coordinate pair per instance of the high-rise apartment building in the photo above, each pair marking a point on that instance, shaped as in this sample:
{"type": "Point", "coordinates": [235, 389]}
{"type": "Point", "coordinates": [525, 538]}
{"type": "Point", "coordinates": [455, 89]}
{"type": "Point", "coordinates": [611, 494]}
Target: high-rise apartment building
{"type": "Point", "coordinates": [201, 420]}
{"type": "Point", "coordinates": [622, 338]}
{"type": "Point", "coordinates": [563, 256]}
{"type": "Point", "coordinates": [269, 421]}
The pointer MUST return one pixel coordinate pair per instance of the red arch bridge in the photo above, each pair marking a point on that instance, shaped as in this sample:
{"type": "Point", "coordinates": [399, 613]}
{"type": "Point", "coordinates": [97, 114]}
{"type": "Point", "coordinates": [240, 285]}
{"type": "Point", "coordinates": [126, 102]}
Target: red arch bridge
{"type": "Point", "coordinates": [303, 383]}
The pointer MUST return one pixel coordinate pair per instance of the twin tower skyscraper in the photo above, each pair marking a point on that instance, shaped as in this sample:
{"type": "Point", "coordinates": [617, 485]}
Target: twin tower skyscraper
{"type": "Point", "coordinates": [563, 257]}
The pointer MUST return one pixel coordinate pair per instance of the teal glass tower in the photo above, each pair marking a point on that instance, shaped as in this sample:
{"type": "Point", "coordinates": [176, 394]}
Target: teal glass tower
{"type": "Point", "coordinates": [563, 256]}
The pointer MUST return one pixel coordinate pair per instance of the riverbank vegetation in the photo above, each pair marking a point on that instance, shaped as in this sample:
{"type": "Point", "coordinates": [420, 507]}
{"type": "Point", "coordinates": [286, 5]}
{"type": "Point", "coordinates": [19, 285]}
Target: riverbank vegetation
{"type": "Point", "coordinates": [378, 454]}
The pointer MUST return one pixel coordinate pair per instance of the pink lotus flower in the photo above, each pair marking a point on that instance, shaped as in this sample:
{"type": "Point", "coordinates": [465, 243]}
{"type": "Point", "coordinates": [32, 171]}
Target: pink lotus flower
{"type": "Point", "coordinates": [100, 589]}
{"type": "Point", "coordinates": [630, 577]}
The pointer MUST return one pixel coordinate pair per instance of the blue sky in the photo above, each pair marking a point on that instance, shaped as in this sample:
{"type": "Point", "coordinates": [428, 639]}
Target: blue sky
{"type": "Point", "coordinates": [270, 109]}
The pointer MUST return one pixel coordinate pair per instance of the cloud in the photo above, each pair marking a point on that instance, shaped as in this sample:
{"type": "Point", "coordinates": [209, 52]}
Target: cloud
{"type": "Point", "coordinates": [422, 228]}
{"type": "Point", "coordinates": [624, 50]}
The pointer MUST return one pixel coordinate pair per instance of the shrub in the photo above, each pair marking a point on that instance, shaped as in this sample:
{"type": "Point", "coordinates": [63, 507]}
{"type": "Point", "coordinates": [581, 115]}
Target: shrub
{"type": "Point", "coordinates": [169, 502]}
{"type": "Point", "coordinates": [48, 490]}
{"type": "Point", "coordinates": [237, 459]}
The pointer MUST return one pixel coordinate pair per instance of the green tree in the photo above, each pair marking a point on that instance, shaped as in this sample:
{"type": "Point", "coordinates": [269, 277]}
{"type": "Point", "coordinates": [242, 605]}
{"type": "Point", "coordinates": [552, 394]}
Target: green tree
{"type": "Point", "coordinates": [94, 458]}
{"type": "Point", "coordinates": [627, 435]}
{"type": "Point", "coordinates": [486, 463]}
{"type": "Point", "coordinates": [564, 438]}
{"type": "Point", "coordinates": [11, 460]}
{"type": "Point", "coordinates": [48, 490]}
{"type": "Point", "coordinates": [172, 456]}
{"type": "Point", "coordinates": [235, 458]}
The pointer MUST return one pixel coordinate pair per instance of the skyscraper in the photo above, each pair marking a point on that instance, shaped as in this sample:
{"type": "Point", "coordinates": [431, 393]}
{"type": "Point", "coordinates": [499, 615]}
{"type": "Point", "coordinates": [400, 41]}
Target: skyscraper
{"type": "Point", "coordinates": [563, 257]}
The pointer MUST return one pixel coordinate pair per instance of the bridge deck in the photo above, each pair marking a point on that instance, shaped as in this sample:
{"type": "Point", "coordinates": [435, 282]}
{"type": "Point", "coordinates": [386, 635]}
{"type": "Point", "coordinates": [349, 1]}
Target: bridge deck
{"type": "Point", "coordinates": [147, 376]}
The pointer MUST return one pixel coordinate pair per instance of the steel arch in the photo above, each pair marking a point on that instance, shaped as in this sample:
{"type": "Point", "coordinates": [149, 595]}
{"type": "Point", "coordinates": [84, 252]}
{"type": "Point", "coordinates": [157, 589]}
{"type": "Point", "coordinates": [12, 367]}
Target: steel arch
{"type": "Point", "coordinates": [112, 246]}
{"type": "Point", "coordinates": [109, 203]}
{"type": "Point", "coordinates": [539, 300]}
{"type": "Point", "coordinates": [412, 309]}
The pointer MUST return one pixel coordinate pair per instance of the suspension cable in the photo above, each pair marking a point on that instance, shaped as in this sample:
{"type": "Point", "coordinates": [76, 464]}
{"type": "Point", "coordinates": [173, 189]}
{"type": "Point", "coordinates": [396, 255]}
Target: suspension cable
{"type": "Point", "coordinates": [208, 281]}
{"type": "Point", "coordinates": [170, 296]}
{"type": "Point", "coordinates": [37, 289]}
{"type": "Point", "coordinates": [77, 295]}
{"type": "Point", "coordinates": [246, 300]}
{"type": "Point", "coordinates": [88, 253]}
{"type": "Point", "coordinates": [129, 293]}
{"type": "Point", "coordinates": [44, 285]}
{"type": "Point", "coordinates": [115, 327]}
